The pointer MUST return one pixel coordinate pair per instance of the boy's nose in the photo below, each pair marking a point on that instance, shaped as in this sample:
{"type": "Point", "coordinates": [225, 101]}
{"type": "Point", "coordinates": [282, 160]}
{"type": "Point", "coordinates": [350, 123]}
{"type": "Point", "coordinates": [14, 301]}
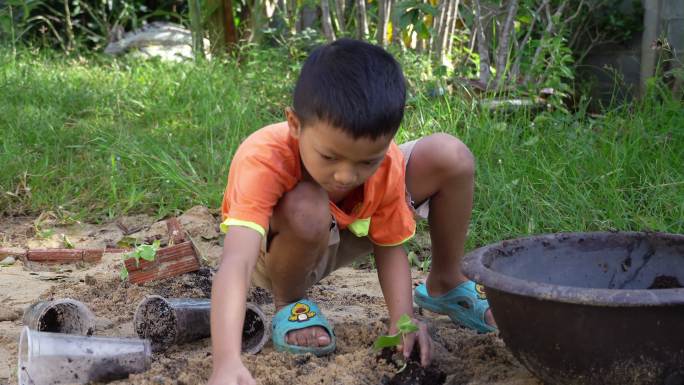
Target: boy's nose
{"type": "Point", "coordinates": [345, 177]}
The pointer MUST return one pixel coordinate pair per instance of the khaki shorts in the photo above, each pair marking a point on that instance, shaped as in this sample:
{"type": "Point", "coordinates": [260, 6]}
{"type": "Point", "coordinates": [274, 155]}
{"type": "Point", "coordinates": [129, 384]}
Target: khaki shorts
{"type": "Point", "coordinates": [343, 246]}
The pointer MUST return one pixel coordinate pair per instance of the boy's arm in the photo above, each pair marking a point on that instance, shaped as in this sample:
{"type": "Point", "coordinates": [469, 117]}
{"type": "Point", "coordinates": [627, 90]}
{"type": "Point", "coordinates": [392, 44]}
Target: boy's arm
{"type": "Point", "coordinates": [228, 297]}
{"type": "Point", "coordinates": [394, 274]}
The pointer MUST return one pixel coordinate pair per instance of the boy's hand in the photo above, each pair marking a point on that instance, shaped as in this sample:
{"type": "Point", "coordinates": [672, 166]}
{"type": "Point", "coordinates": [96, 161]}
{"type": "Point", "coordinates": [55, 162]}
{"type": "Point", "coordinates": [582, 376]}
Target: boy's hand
{"type": "Point", "coordinates": [424, 343]}
{"type": "Point", "coordinates": [394, 274]}
{"type": "Point", "coordinates": [233, 373]}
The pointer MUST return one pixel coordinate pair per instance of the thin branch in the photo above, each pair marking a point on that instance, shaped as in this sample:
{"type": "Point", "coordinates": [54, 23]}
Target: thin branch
{"type": "Point", "coordinates": [361, 21]}
{"type": "Point", "coordinates": [549, 30]}
{"type": "Point", "coordinates": [504, 42]}
{"type": "Point", "coordinates": [452, 27]}
{"type": "Point", "coordinates": [521, 48]}
{"type": "Point", "coordinates": [579, 8]}
{"type": "Point", "coordinates": [339, 14]}
{"type": "Point", "coordinates": [482, 48]}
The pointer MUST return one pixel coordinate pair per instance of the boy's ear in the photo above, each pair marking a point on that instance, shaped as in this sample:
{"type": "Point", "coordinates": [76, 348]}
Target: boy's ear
{"type": "Point", "coordinates": [293, 123]}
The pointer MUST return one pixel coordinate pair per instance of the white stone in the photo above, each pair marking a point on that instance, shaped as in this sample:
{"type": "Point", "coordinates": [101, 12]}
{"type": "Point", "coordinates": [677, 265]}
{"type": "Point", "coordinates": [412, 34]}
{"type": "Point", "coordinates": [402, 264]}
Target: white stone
{"type": "Point", "coordinates": [8, 261]}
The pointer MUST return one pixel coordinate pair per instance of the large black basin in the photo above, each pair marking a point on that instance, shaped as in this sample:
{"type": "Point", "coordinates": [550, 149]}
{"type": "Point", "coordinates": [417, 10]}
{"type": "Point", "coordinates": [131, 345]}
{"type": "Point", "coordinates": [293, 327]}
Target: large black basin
{"type": "Point", "coordinates": [589, 308]}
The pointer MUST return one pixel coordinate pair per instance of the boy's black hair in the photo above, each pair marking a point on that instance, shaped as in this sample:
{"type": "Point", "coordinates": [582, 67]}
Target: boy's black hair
{"type": "Point", "coordinates": [354, 86]}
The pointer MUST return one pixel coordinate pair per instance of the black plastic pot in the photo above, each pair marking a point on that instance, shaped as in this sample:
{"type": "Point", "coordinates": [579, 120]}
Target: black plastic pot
{"type": "Point", "coordinates": [589, 308]}
{"type": "Point", "coordinates": [171, 321]}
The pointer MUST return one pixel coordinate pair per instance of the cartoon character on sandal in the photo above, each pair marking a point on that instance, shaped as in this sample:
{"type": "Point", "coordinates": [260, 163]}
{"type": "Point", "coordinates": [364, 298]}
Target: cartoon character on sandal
{"type": "Point", "coordinates": [466, 304]}
{"type": "Point", "coordinates": [300, 315]}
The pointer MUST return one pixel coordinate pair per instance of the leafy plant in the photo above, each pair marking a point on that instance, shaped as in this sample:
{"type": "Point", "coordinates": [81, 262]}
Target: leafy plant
{"type": "Point", "coordinates": [146, 252]}
{"type": "Point", "coordinates": [555, 71]}
{"type": "Point", "coordinates": [416, 15]}
{"type": "Point", "coordinates": [67, 242]}
{"type": "Point", "coordinates": [423, 265]}
{"type": "Point", "coordinates": [405, 326]}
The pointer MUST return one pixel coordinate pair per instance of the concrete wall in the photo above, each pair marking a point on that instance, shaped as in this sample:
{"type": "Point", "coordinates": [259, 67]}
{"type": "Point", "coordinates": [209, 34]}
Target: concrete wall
{"type": "Point", "coordinates": [632, 63]}
{"type": "Point", "coordinates": [672, 20]}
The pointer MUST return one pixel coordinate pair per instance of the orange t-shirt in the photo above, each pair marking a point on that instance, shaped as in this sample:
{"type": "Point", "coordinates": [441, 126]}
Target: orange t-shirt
{"type": "Point", "coordinates": [267, 165]}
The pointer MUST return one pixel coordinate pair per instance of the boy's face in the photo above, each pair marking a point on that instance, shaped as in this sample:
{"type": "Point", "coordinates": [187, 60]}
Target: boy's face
{"type": "Point", "coordinates": [333, 158]}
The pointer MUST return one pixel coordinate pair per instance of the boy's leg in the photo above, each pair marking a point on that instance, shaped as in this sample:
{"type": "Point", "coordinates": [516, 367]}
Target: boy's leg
{"type": "Point", "coordinates": [442, 169]}
{"type": "Point", "coordinates": [299, 231]}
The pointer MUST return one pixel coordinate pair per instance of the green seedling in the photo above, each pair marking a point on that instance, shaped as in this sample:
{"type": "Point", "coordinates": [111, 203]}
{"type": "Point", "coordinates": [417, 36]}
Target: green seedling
{"type": "Point", "coordinates": [146, 252]}
{"type": "Point", "coordinates": [67, 242]}
{"type": "Point", "coordinates": [423, 265]}
{"type": "Point", "coordinates": [44, 234]}
{"type": "Point", "coordinates": [405, 326]}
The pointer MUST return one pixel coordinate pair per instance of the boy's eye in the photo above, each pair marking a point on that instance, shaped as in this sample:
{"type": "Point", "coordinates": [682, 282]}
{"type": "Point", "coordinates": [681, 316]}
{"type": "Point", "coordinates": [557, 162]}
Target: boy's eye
{"type": "Point", "coordinates": [326, 157]}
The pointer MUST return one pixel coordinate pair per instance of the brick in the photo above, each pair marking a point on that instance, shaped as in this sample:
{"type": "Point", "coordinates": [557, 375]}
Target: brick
{"type": "Point", "coordinates": [169, 262]}
{"type": "Point", "coordinates": [12, 252]}
{"type": "Point", "coordinates": [176, 233]}
{"type": "Point", "coordinates": [92, 255]}
{"type": "Point", "coordinates": [55, 255]}
{"type": "Point", "coordinates": [62, 256]}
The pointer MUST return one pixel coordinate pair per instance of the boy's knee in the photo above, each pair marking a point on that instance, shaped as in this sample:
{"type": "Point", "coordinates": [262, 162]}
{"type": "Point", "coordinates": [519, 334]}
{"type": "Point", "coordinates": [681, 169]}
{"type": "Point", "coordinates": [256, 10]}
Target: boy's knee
{"type": "Point", "coordinates": [450, 156]}
{"type": "Point", "coordinates": [304, 210]}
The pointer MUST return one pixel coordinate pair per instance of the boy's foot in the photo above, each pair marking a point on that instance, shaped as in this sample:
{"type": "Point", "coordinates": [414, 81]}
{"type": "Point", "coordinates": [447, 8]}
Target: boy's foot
{"type": "Point", "coordinates": [438, 290]}
{"type": "Point", "coordinates": [301, 328]}
{"type": "Point", "coordinates": [466, 304]}
{"type": "Point", "coordinates": [314, 336]}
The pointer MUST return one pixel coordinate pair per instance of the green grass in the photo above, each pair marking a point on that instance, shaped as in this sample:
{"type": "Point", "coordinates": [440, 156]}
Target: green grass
{"type": "Point", "coordinates": [101, 138]}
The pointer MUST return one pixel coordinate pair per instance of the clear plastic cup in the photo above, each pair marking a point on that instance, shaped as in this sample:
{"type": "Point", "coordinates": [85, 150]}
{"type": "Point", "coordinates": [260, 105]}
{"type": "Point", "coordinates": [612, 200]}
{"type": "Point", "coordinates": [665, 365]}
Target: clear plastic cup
{"type": "Point", "coordinates": [56, 358]}
{"type": "Point", "coordinates": [64, 315]}
{"type": "Point", "coordinates": [172, 321]}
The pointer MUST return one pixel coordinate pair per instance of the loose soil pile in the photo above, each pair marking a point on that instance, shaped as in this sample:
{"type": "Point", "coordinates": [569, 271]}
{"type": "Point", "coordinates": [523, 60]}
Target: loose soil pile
{"type": "Point", "coordinates": [350, 298]}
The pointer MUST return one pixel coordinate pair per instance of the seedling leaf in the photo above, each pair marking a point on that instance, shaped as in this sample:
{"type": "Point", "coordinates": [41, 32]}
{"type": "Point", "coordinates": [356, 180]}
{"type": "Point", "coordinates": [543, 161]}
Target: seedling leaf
{"type": "Point", "coordinates": [146, 252]}
{"type": "Point", "coordinates": [123, 273]}
{"type": "Point", "coordinates": [387, 341]}
{"type": "Point", "coordinates": [67, 242]}
{"type": "Point", "coordinates": [405, 325]}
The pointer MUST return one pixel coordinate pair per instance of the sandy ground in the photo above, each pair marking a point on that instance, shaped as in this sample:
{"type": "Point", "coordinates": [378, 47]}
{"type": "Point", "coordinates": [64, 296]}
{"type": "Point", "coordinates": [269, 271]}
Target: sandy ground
{"type": "Point", "coordinates": [350, 297]}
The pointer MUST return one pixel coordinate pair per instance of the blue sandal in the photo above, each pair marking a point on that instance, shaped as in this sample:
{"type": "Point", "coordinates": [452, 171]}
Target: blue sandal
{"type": "Point", "coordinates": [465, 304]}
{"type": "Point", "coordinates": [299, 315]}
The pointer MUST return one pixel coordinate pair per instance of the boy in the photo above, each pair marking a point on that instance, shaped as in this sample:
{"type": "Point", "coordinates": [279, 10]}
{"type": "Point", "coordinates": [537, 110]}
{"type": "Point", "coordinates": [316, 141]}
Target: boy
{"type": "Point", "coordinates": [309, 195]}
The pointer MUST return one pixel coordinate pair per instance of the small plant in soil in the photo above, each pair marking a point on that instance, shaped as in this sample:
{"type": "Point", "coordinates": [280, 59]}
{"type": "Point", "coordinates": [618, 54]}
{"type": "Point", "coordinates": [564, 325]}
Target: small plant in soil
{"type": "Point", "coordinates": [146, 252]}
{"type": "Point", "coordinates": [405, 326]}
{"type": "Point", "coordinates": [409, 371]}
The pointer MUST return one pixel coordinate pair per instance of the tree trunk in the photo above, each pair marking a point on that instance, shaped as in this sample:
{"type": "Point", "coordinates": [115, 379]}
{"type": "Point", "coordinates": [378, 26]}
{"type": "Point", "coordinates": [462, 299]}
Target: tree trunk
{"type": "Point", "coordinates": [196, 27]}
{"type": "Point", "coordinates": [256, 20]}
{"type": "Point", "coordinates": [361, 20]}
{"type": "Point", "coordinates": [420, 44]}
{"type": "Point", "coordinates": [68, 27]}
{"type": "Point", "coordinates": [504, 42]}
{"type": "Point", "coordinates": [384, 8]}
{"type": "Point", "coordinates": [438, 25]}
{"type": "Point", "coordinates": [325, 21]}
{"type": "Point", "coordinates": [308, 16]}
{"type": "Point", "coordinates": [396, 28]}
{"type": "Point", "coordinates": [651, 31]}
{"type": "Point", "coordinates": [291, 16]}
{"type": "Point", "coordinates": [441, 43]}
{"type": "Point", "coordinates": [339, 14]}
{"type": "Point", "coordinates": [452, 26]}
{"type": "Point", "coordinates": [482, 44]}
{"type": "Point", "coordinates": [269, 7]}
{"type": "Point", "coordinates": [221, 26]}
